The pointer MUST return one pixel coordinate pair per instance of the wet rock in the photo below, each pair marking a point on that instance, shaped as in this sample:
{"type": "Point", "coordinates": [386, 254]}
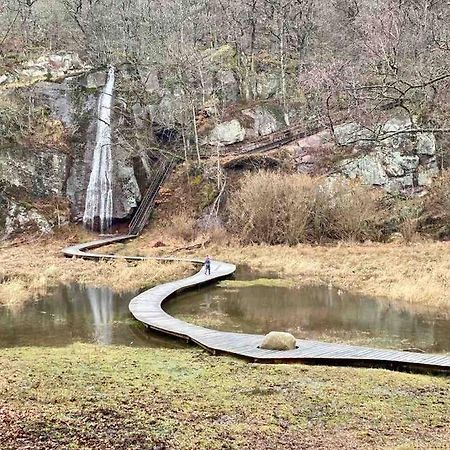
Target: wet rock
{"type": "Point", "coordinates": [278, 340]}
{"type": "Point", "coordinates": [126, 193]}
{"type": "Point", "coordinates": [227, 133]}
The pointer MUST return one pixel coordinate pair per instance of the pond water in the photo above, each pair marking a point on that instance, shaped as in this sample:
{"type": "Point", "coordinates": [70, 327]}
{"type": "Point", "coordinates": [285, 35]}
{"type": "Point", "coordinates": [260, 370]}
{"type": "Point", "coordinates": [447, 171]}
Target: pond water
{"type": "Point", "coordinates": [76, 313]}
{"type": "Point", "coordinates": [312, 312]}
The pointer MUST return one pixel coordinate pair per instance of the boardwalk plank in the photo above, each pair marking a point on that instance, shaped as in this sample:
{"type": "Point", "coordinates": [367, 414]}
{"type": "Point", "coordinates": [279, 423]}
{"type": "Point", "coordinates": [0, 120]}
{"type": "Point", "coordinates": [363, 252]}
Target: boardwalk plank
{"type": "Point", "coordinates": [147, 307]}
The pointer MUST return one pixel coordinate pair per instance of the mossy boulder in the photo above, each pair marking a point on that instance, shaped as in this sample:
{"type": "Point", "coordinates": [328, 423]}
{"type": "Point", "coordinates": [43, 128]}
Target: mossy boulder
{"type": "Point", "coordinates": [278, 340]}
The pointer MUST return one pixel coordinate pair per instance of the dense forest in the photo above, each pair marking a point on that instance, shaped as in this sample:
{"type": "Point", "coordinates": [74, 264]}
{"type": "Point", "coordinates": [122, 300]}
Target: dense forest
{"type": "Point", "coordinates": [360, 58]}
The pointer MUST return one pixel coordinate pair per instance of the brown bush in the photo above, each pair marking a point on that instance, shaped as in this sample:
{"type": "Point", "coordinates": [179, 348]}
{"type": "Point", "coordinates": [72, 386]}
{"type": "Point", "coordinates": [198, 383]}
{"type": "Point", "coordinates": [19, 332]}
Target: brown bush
{"type": "Point", "coordinates": [272, 208]}
{"type": "Point", "coordinates": [183, 226]}
{"type": "Point", "coordinates": [437, 206]}
{"type": "Point", "coordinates": [276, 208]}
{"type": "Point", "coordinates": [348, 210]}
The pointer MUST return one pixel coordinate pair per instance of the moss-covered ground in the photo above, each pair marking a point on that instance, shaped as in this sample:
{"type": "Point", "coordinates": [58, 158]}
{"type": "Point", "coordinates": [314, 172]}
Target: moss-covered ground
{"type": "Point", "coordinates": [86, 396]}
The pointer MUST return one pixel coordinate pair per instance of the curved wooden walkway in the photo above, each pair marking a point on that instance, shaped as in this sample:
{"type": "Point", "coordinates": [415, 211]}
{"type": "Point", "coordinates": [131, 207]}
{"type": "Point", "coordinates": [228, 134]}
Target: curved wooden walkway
{"type": "Point", "coordinates": [147, 307]}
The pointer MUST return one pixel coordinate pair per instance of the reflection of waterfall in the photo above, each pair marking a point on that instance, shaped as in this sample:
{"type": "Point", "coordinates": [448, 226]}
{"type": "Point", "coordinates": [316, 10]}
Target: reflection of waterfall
{"type": "Point", "coordinates": [101, 301]}
{"type": "Point", "coordinates": [99, 201]}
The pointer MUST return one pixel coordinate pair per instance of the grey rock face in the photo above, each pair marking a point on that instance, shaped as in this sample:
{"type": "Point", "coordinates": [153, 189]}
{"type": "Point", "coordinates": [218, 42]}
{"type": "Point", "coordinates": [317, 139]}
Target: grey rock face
{"type": "Point", "coordinates": [41, 173]}
{"type": "Point", "coordinates": [267, 85]}
{"type": "Point", "coordinates": [401, 161]}
{"type": "Point", "coordinates": [46, 174]}
{"type": "Point", "coordinates": [394, 156]}
{"type": "Point", "coordinates": [20, 219]}
{"type": "Point", "coordinates": [265, 120]}
{"type": "Point", "coordinates": [150, 80]}
{"type": "Point", "coordinates": [94, 80]}
{"type": "Point", "coordinates": [227, 133]}
{"type": "Point", "coordinates": [228, 85]}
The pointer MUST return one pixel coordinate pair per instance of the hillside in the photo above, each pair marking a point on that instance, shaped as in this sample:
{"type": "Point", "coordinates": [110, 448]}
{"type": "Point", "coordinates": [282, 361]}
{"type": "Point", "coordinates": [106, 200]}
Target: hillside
{"type": "Point", "coordinates": [364, 85]}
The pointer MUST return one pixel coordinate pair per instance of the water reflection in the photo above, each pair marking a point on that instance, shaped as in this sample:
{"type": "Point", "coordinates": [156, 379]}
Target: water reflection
{"type": "Point", "coordinates": [101, 302]}
{"type": "Point", "coordinates": [76, 313]}
{"type": "Point", "coordinates": [314, 313]}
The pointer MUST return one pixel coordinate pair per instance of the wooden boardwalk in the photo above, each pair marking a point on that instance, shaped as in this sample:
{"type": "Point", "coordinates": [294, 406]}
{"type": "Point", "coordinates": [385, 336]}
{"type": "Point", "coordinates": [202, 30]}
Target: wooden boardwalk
{"type": "Point", "coordinates": [147, 307]}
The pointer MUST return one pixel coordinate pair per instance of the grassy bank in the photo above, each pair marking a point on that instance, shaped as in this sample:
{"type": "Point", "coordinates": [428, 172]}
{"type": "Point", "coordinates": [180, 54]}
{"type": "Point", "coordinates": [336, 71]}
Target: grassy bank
{"type": "Point", "coordinates": [85, 396]}
{"type": "Point", "coordinates": [31, 268]}
{"type": "Point", "coordinates": [417, 273]}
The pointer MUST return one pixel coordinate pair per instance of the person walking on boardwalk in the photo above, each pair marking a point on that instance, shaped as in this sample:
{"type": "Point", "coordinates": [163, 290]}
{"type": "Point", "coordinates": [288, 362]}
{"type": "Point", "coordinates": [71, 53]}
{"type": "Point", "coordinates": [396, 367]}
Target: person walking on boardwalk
{"type": "Point", "coordinates": [207, 265]}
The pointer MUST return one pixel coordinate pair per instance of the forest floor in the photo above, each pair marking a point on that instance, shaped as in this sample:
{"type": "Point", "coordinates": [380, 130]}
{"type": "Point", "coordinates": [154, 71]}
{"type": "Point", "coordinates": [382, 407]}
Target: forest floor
{"type": "Point", "coordinates": [87, 396]}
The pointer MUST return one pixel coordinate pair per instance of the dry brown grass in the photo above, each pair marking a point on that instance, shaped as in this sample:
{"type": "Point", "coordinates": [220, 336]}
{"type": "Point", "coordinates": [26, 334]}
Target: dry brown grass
{"type": "Point", "coordinates": [29, 269]}
{"type": "Point", "coordinates": [276, 208]}
{"type": "Point", "coordinates": [417, 273]}
{"type": "Point", "coordinates": [272, 208]}
{"type": "Point", "coordinates": [437, 206]}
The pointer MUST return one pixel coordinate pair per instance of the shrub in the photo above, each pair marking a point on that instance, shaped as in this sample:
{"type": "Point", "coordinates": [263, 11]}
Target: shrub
{"type": "Point", "coordinates": [183, 226]}
{"type": "Point", "coordinates": [348, 210]}
{"type": "Point", "coordinates": [276, 208]}
{"type": "Point", "coordinates": [272, 208]}
{"type": "Point", "coordinates": [437, 206]}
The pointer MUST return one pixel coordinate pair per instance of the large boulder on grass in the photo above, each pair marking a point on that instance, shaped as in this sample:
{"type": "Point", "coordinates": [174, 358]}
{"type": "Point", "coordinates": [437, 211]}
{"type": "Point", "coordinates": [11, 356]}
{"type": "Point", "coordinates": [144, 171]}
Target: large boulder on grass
{"type": "Point", "coordinates": [278, 340]}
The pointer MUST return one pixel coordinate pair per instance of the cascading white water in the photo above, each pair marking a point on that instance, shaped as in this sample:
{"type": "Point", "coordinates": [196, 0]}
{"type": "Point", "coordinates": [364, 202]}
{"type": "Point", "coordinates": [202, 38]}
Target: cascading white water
{"type": "Point", "coordinates": [99, 197]}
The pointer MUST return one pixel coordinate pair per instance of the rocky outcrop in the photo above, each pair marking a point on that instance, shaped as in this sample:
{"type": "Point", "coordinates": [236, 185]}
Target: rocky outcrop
{"type": "Point", "coordinates": [46, 67]}
{"type": "Point", "coordinates": [20, 219]}
{"type": "Point", "coordinates": [266, 120]}
{"type": "Point", "coordinates": [38, 173]}
{"type": "Point", "coordinates": [394, 156]}
{"type": "Point", "coordinates": [227, 133]}
{"type": "Point", "coordinates": [278, 340]}
{"type": "Point", "coordinates": [41, 173]}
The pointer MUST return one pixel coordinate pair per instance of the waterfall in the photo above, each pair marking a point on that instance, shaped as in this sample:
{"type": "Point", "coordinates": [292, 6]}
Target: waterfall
{"type": "Point", "coordinates": [99, 200]}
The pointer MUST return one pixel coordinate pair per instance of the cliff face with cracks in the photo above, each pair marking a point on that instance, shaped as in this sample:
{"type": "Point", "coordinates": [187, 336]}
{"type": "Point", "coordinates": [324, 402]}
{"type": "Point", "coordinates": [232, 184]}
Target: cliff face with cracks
{"type": "Point", "coordinates": [44, 169]}
{"type": "Point", "coordinates": [40, 171]}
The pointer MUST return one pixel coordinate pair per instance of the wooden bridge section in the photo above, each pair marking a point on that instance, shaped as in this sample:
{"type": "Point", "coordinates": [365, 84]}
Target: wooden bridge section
{"type": "Point", "coordinates": [272, 141]}
{"type": "Point", "coordinates": [145, 209]}
{"type": "Point", "coordinates": [148, 308]}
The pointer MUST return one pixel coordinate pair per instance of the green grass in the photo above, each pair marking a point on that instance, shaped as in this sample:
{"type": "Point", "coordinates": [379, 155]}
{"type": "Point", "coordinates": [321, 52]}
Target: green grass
{"type": "Point", "coordinates": [87, 396]}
